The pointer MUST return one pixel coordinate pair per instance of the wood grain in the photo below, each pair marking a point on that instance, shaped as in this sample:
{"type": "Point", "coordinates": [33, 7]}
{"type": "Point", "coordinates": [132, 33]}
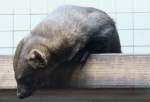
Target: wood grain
{"type": "Point", "coordinates": [100, 71]}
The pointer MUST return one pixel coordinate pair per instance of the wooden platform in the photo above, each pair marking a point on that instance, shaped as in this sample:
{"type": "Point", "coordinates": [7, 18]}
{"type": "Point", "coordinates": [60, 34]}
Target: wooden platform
{"type": "Point", "coordinates": [101, 77]}
{"type": "Point", "coordinates": [100, 71]}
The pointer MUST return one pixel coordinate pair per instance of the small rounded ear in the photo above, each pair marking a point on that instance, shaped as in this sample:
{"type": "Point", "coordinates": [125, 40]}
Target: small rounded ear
{"type": "Point", "coordinates": [37, 59]}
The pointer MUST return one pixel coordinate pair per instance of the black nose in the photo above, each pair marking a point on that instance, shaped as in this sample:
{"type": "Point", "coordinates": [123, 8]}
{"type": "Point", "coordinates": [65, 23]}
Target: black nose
{"type": "Point", "coordinates": [23, 95]}
{"type": "Point", "coordinates": [20, 96]}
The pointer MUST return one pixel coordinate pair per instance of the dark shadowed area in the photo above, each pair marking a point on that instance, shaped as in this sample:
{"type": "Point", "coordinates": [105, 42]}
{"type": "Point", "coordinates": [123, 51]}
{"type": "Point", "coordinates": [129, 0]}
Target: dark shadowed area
{"type": "Point", "coordinates": [80, 95]}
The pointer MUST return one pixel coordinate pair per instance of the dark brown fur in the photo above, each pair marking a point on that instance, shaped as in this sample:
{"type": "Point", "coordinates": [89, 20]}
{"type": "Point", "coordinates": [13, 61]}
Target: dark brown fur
{"type": "Point", "coordinates": [70, 33]}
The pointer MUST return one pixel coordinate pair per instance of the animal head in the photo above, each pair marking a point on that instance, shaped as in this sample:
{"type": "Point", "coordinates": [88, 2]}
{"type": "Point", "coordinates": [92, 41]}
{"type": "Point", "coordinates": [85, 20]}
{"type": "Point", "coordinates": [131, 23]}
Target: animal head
{"type": "Point", "coordinates": [34, 62]}
{"type": "Point", "coordinates": [27, 62]}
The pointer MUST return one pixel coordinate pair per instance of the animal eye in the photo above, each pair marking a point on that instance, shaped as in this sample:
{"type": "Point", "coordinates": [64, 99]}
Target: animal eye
{"type": "Point", "coordinates": [24, 80]}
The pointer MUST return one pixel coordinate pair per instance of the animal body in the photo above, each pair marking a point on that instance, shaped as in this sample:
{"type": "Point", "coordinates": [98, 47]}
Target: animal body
{"type": "Point", "coordinates": [69, 33]}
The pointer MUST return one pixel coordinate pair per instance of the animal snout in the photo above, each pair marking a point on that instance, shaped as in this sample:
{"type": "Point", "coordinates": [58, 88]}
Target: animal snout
{"type": "Point", "coordinates": [23, 94]}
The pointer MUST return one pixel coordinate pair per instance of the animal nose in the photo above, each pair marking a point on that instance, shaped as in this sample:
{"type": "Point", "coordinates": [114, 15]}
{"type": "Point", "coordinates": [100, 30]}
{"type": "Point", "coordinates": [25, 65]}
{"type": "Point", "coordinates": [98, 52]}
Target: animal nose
{"type": "Point", "coordinates": [20, 95]}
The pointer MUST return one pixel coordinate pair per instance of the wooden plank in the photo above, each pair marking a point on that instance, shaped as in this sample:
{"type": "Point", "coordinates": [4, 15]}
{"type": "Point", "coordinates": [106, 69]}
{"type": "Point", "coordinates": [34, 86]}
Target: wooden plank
{"type": "Point", "coordinates": [115, 71]}
{"type": "Point", "coordinates": [100, 71]}
{"type": "Point", "coordinates": [7, 80]}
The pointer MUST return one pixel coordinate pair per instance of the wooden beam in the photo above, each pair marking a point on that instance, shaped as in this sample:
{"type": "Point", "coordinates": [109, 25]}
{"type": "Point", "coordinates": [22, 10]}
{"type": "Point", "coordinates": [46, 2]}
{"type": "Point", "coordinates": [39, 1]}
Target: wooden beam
{"type": "Point", "coordinates": [7, 80]}
{"type": "Point", "coordinates": [100, 71]}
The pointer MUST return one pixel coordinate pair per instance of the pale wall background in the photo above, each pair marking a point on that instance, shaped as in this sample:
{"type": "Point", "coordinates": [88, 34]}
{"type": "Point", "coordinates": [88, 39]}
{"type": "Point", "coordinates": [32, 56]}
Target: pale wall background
{"type": "Point", "coordinates": [132, 18]}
